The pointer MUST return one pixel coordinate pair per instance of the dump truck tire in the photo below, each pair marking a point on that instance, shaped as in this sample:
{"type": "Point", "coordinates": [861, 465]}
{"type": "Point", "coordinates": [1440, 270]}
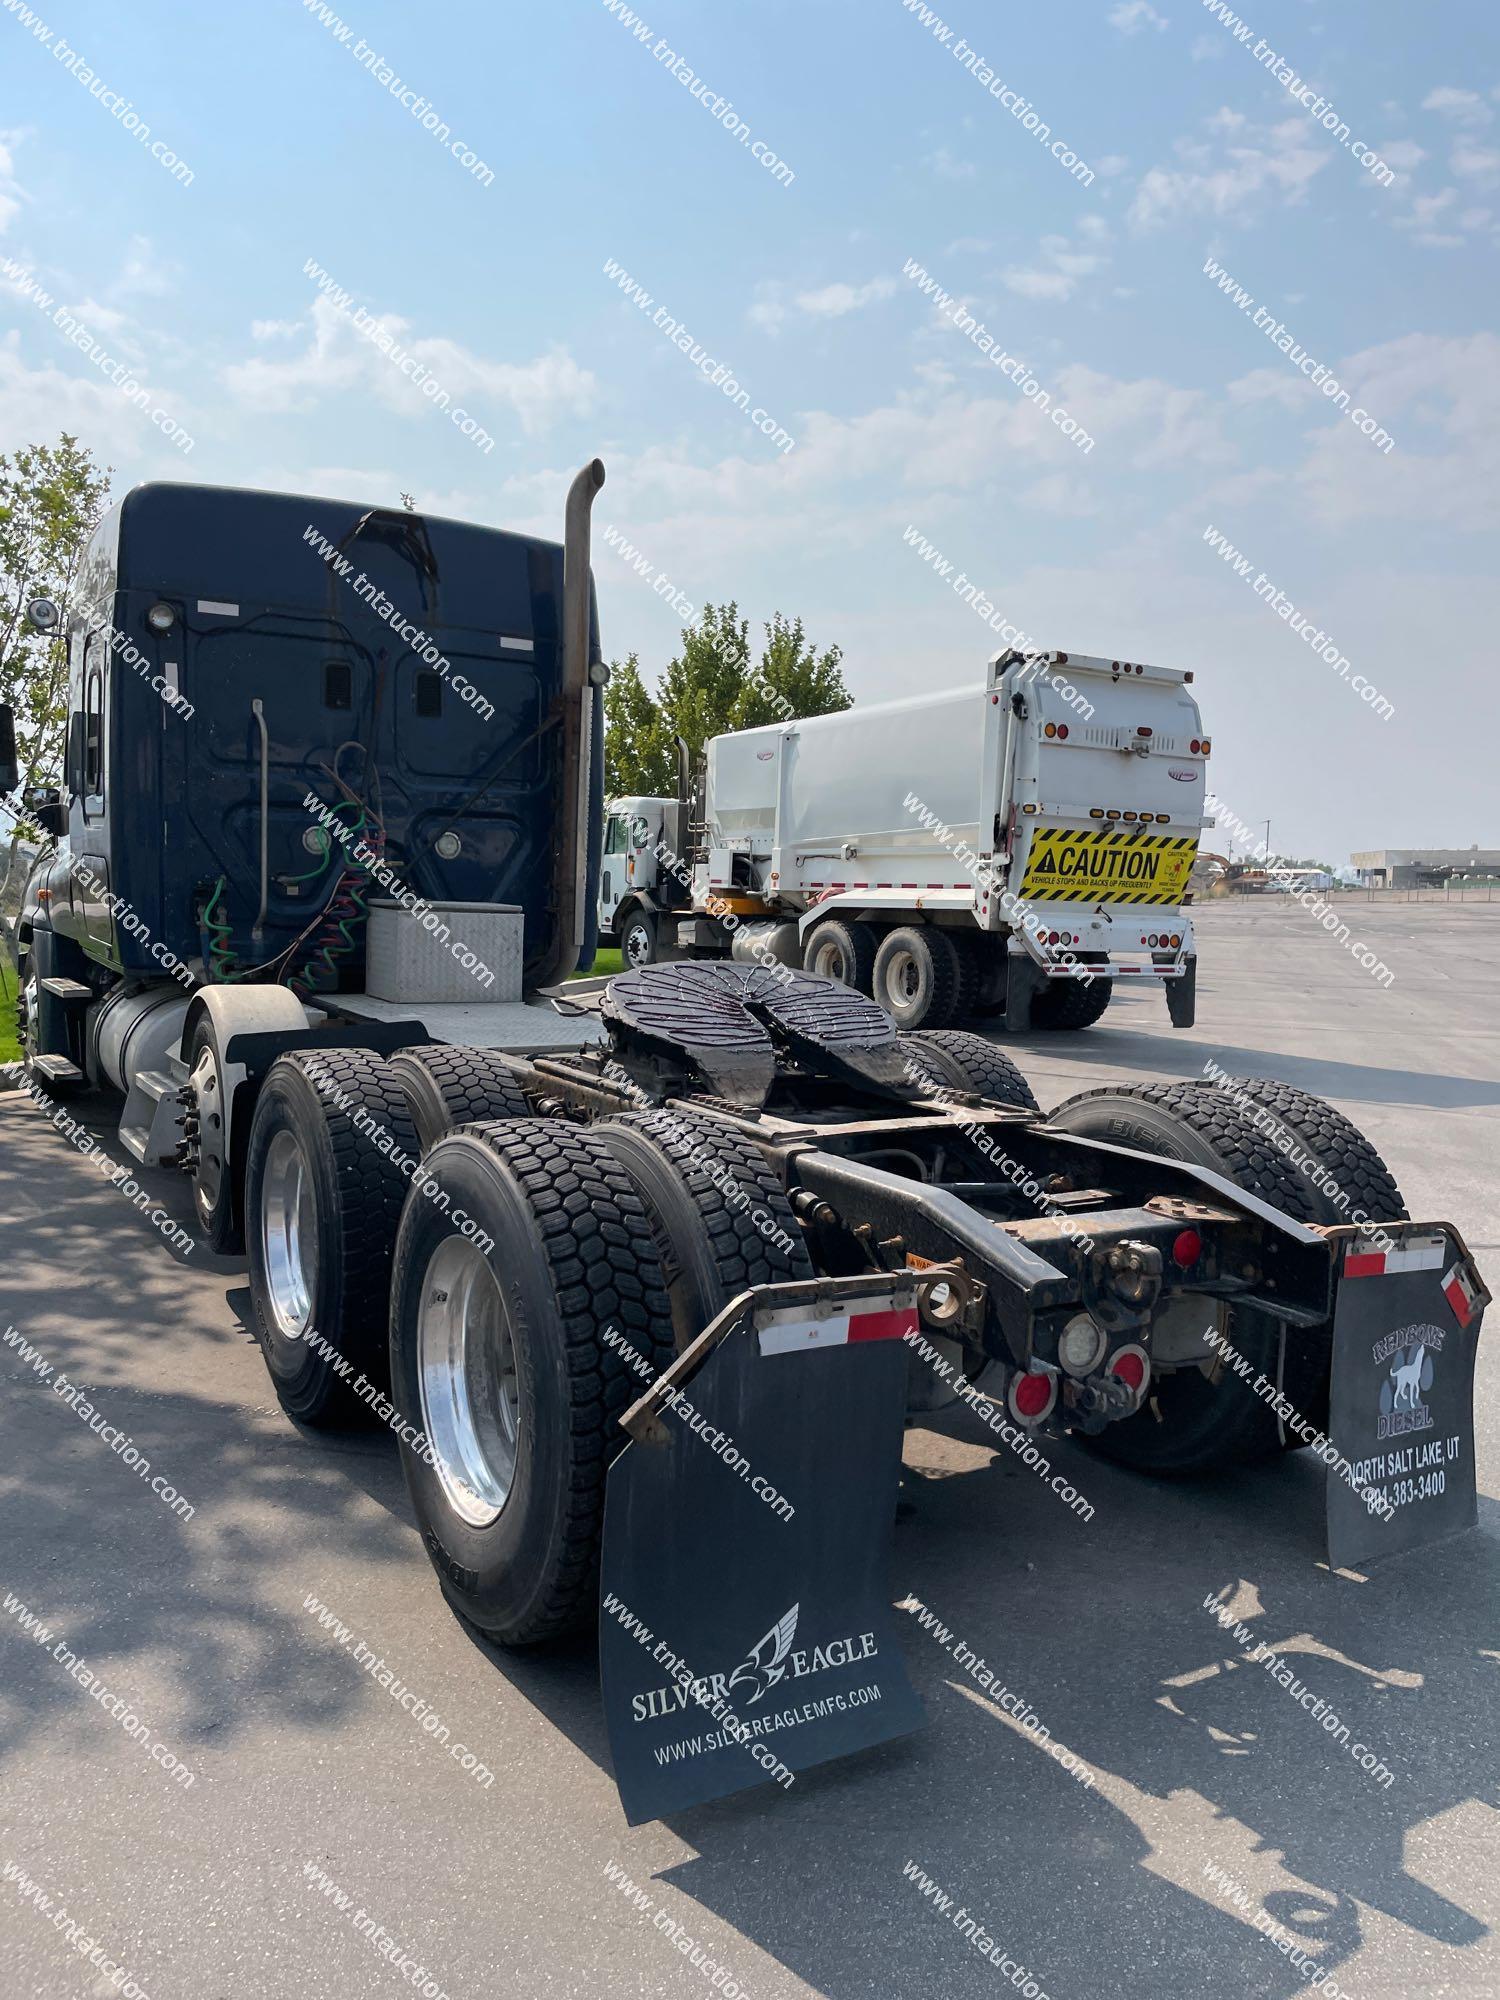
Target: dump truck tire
{"type": "Point", "coordinates": [920, 978]}
{"type": "Point", "coordinates": [1071, 1003]}
{"type": "Point", "coordinates": [639, 944]}
{"type": "Point", "coordinates": [327, 1171]}
{"type": "Point", "coordinates": [719, 1214]}
{"type": "Point", "coordinates": [447, 1087]}
{"type": "Point", "coordinates": [1335, 1142]}
{"type": "Point", "coordinates": [508, 1392]}
{"type": "Point", "coordinates": [1192, 1424]}
{"type": "Point", "coordinates": [969, 1062]}
{"type": "Point", "coordinates": [845, 952]}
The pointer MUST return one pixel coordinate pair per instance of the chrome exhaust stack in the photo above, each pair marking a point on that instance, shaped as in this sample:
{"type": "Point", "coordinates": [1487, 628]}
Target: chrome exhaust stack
{"type": "Point", "coordinates": [570, 880]}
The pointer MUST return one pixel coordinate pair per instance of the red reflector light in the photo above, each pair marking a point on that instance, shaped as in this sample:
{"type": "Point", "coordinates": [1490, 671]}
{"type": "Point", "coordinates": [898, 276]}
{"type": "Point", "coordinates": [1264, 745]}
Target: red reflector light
{"type": "Point", "coordinates": [1194, 747]}
{"type": "Point", "coordinates": [1130, 1366]}
{"type": "Point", "coordinates": [1141, 729]}
{"type": "Point", "coordinates": [1062, 732]}
{"type": "Point", "coordinates": [1187, 1248]}
{"type": "Point", "coordinates": [1033, 1394]}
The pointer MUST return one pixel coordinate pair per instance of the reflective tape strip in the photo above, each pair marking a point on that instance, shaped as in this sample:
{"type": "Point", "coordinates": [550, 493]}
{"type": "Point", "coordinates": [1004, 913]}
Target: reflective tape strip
{"type": "Point", "coordinates": [1420, 1253]}
{"type": "Point", "coordinates": [786, 1335]}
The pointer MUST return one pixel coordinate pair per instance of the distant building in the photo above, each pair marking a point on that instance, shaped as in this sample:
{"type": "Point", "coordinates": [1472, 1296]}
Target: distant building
{"type": "Point", "coordinates": [1423, 867]}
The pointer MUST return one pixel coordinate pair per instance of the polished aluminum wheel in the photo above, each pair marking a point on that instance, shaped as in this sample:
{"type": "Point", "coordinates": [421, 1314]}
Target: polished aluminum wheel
{"type": "Point", "coordinates": [289, 1234]}
{"type": "Point", "coordinates": [466, 1363]}
{"type": "Point", "coordinates": [206, 1087]}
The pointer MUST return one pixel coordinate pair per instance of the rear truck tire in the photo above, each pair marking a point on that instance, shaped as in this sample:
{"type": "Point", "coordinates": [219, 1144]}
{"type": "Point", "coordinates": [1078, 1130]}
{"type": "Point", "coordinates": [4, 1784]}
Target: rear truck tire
{"type": "Point", "coordinates": [719, 1213]}
{"type": "Point", "coordinates": [919, 978]}
{"type": "Point", "coordinates": [638, 940]}
{"type": "Point", "coordinates": [327, 1169]}
{"type": "Point", "coordinates": [219, 1173]}
{"type": "Point", "coordinates": [1191, 1424]}
{"type": "Point", "coordinates": [447, 1087]}
{"type": "Point", "coordinates": [845, 952]}
{"type": "Point", "coordinates": [501, 1367]}
{"type": "Point", "coordinates": [1334, 1141]}
{"type": "Point", "coordinates": [1071, 1003]}
{"type": "Point", "coordinates": [968, 1062]}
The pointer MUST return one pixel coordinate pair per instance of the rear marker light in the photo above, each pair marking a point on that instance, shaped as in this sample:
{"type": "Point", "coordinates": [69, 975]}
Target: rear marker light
{"type": "Point", "coordinates": [1187, 1248]}
{"type": "Point", "coordinates": [1096, 812]}
{"type": "Point", "coordinates": [1050, 730]}
{"type": "Point", "coordinates": [1163, 819]}
{"type": "Point", "coordinates": [1194, 747]}
{"type": "Point", "coordinates": [1031, 1396]}
{"type": "Point", "coordinates": [1141, 729]}
{"type": "Point", "coordinates": [1081, 1345]}
{"type": "Point", "coordinates": [1062, 732]}
{"type": "Point", "coordinates": [1174, 940]}
{"type": "Point", "coordinates": [1132, 1367]}
{"type": "Point", "coordinates": [1112, 814]}
{"type": "Point", "coordinates": [1207, 746]}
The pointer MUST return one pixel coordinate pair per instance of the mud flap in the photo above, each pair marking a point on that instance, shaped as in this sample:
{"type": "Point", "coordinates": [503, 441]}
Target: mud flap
{"type": "Point", "coordinates": [1405, 1332]}
{"type": "Point", "coordinates": [744, 1639]}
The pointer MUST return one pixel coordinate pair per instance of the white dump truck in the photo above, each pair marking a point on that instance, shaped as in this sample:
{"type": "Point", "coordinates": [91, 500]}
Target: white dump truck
{"type": "Point", "coordinates": [1014, 848]}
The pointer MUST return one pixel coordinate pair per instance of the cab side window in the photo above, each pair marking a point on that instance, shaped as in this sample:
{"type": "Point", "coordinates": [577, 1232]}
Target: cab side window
{"type": "Point", "coordinates": [617, 835]}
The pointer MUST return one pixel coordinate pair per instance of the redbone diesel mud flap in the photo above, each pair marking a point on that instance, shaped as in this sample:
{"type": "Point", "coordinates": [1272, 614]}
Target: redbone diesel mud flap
{"type": "Point", "coordinates": [1405, 1332]}
{"type": "Point", "coordinates": [745, 1629]}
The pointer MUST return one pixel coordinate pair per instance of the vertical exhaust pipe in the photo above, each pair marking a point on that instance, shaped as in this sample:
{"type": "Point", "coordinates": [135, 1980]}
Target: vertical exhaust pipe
{"type": "Point", "coordinates": [575, 830]}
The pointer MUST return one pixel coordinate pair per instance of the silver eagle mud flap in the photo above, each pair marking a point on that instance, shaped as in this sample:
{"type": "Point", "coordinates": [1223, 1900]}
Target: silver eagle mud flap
{"type": "Point", "coordinates": [745, 1628]}
{"type": "Point", "coordinates": [1405, 1333]}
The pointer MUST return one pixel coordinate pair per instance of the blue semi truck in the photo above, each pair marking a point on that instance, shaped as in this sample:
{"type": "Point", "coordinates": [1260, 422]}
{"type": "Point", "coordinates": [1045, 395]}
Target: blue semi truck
{"type": "Point", "coordinates": [648, 1286]}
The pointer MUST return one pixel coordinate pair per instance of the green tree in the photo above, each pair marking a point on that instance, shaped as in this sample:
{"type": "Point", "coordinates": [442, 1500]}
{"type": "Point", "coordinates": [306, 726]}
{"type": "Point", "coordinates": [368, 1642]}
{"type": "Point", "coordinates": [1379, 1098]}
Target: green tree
{"type": "Point", "coordinates": [51, 497]}
{"type": "Point", "coordinates": [711, 686]}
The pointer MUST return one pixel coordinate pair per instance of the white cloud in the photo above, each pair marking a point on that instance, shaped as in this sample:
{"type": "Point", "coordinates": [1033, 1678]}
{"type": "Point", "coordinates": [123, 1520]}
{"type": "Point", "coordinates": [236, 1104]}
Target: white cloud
{"type": "Point", "coordinates": [1402, 154]}
{"type": "Point", "coordinates": [1132, 16]}
{"type": "Point", "coordinates": [833, 301]}
{"type": "Point", "coordinates": [1231, 183]}
{"type": "Point", "coordinates": [1478, 163]}
{"type": "Point", "coordinates": [1064, 264]}
{"type": "Point", "coordinates": [275, 329]}
{"type": "Point", "coordinates": [1464, 107]}
{"type": "Point", "coordinates": [1207, 48]}
{"type": "Point", "coordinates": [772, 307]}
{"type": "Point", "coordinates": [11, 195]}
{"type": "Point", "coordinates": [1112, 164]}
{"type": "Point", "coordinates": [948, 167]}
{"type": "Point", "coordinates": [338, 357]}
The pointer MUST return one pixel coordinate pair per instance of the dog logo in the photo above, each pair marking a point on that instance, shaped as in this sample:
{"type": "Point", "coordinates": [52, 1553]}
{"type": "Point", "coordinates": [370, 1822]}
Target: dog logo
{"type": "Point", "coordinates": [1409, 1376]}
{"type": "Point", "coordinates": [767, 1661]}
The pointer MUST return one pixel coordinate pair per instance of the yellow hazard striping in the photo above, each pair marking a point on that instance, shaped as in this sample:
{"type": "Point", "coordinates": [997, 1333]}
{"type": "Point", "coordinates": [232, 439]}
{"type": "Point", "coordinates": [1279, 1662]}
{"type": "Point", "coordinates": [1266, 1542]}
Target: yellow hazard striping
{"type": "Point", "coordinates": [1104, 864]}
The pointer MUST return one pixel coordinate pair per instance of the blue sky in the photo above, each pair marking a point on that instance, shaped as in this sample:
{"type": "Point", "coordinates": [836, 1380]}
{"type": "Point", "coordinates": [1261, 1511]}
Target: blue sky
{"type": "Point", "coordinates": [899, 153]}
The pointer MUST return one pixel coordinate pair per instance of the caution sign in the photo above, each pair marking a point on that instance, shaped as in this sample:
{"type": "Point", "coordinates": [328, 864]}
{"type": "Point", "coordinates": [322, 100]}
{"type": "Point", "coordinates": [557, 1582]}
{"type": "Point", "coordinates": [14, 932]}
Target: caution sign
{"type": "Point", "coordinates": [1106, 864]}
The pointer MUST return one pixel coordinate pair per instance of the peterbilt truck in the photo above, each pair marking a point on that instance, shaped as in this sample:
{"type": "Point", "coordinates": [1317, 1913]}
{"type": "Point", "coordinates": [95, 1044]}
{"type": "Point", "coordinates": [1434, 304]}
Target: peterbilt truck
{"type": "Point", "coordinates": [558, 1251]}
{"type": "Point", "coordinates": [1017, 848]}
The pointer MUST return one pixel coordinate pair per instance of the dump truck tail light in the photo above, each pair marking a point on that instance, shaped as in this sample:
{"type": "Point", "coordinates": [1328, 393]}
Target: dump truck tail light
{"type": "Point", "coordinates": [1031, 1396]}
